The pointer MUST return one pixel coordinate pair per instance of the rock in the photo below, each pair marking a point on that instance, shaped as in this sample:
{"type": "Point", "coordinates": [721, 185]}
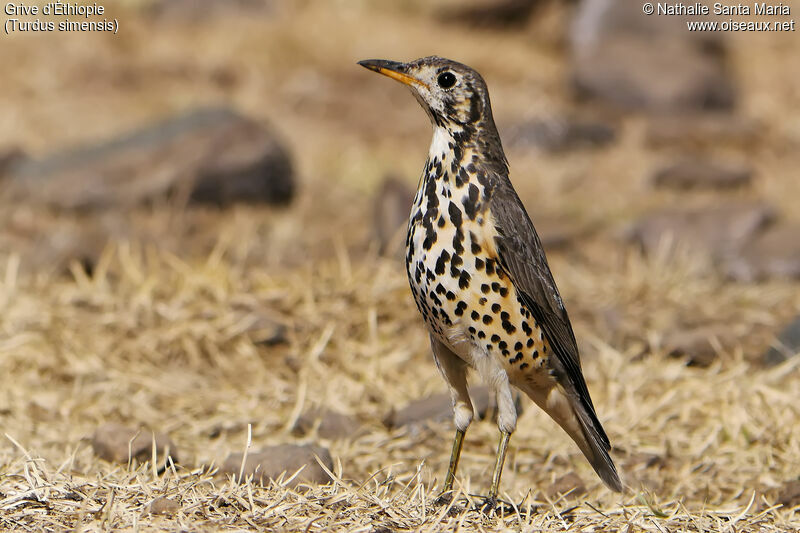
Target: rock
{"type": "Point", "coordinates": [390, 212]}
{"type": "Point", "coordinates": [8, 158]}
{"type": "Point", "coordinates": [706, 130]}
{"type": "Point", "coordinates": [698, 345]}
{"type": "Point", "coordinates": [789, 495]}
{"type": "Point", "coordinates": [631, 61]}
{"type": "Point", "coordinates": [270, 462]}
{"type": "Point", "coordinates": [208, 155]}
{"type": "Point", "coordinates": [718, 231]}
{"type": "Point", "coordinates": [436, 408]}
{"type": "Point", "coordinates": [199, 10]}
{"type": "Point", "coordinates": [162, 505]}
{"type": "Point", "coordinates": [494, 14]}
{"type": "Point", "coordinates": [787, 345]}
{"type": "Point", "coordinates": [701, 174]}
{"type": "Point", "coordinates": [775, 253]}
{"type": "Point", "coordinates": [560, 135]}
{"type": "Point", "coordinates": [120, 444]}
{"type": "Point", "coordinates": [329, 424]}
{"type": "Point", "coordinates": [570, 484]}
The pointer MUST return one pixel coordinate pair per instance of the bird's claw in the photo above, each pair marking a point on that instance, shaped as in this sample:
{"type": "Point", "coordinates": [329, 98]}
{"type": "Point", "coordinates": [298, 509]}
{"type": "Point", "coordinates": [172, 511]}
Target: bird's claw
{"type": "Point", "coordinates": [490, 505]}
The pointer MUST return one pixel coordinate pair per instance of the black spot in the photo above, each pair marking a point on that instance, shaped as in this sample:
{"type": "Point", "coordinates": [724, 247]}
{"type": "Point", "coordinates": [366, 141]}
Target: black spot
{"type": "Point", "coordinates": [471, 330]}
{"type": "Point", "coordinates": [490, 266]}
{"type": "Point", "coordinates": [487, 319]}
{"type": "Point", "coordinates": [503, 345]}
{"type": "Point", "coordinates": [509, 327]}
{"type": "Point", "coordinates": [440, 289]}
{"type": "Point", "coordinates": [441, 222]}
{"type": "Point", "coordinates": [535, 354]}
{"type": "Point", "coordinates": [527, 329]}
{"type": "Point", "coordinates": [463, 280]}
{"type": "Point", "coordinates": [504, 316]}
{"type": "Point", "coordinates": [479, 264]}
{"type": "Point", "coordinates": [450, 295]}
{"type": "Point", "coordinates": [496, 308]}
{"type": "Point", "coordinates": [457, 261]}
{"type": "Point", "coordinates": [495, 338]}
{"type": "Point", "coordinates": [518, 346]}
{"type": "Point", "coordinates": [503, 292]}
{"type": "Point", "coordinates": [481, 334]}
{"type": "Point", "coordinates": [455, 214]}
{"type": "Point", "coordinates": [482, 300]}
{"type": "Point", "coordinates": [458, 238]}
{"type": "Point", "coordinates": [475, 247]}
{"type": "Point", "coordinates": [523, 366]}
{"type": "Point", "coordinates": [495, 286]}
{"type": "Point", "coordinates": [475, 315]}
{"type": "Point", "coordinates": [529, 344]}
{"type": "Point", "coordinates": [471, 202]}
{"type": "Point", "coordinates": [484, 288]}
{"type": "Point", "coordinates": [443, 258]}
{"type": "Point", "coordinates": [544, 348]}
{"type": "Point", "coordinates": [460, 308]}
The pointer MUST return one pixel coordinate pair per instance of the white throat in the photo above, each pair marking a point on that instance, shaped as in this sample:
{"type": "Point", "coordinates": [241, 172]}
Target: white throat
{"type": "Point", "coordinates": [440, 144]}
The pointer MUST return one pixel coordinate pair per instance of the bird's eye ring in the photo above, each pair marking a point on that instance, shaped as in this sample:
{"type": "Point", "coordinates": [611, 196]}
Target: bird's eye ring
{"type": "Point", "coordinates": [446, 80]}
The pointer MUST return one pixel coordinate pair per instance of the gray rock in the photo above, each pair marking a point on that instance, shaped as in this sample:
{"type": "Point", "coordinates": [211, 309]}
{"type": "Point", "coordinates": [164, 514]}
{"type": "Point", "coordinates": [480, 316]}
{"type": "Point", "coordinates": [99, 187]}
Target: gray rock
{"type": "Point", "coordinates": [701, 174]}
{"type": "Point", "coordinates": [719, 231]}
{"type": "Point", "coordinates": [270, 462]}
{"type": "Point", "coordinates": [8, 158]}
{"type": "Point", "coordinates": [628, 60]}
{"type": "Point", "coordinates": [435, 408]}
{"type": "Point", "coordinates": [787, 345]}
{"type": "Point", "coordinates": [569, 484]}
{"type": "Point", "coordinates": [165, 506]}
{"type": "Point", "coordinates": [775, 253]}
{"type": "Point", "coordinates": [560, 134]}
{"type": "Point", "coordinates": [698, 345]}
{"type": "Point", "coordinates": [329, 424]}
{"type": "Point", "coordinates": [121, 444]}
{"type": "Point", "coordinates": [208, 155]}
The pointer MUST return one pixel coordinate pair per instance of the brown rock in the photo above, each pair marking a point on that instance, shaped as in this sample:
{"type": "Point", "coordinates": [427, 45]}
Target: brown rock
{"type": "Point", "coordinates": [271, 462]}
{"type": "Point", "coordinates": [207, 156]}
{"type": "Point", "coordinates": [120, 444]}
{"type": "Point", "coordinates": [718, 231]}
{"type": "Point", "coordinates": [560, 134]}
{"type": "Point", "coordinates": [789, 495]}
{"type": "Point", "coordinates": [437, 407]}
{"type": "Point", "coordinates": [637, 62]}
{"type": "Point", "coordinates": [701, 174]}
{"type": "Point", "coordinates": [492, 14]}
{"type": "Point", "coordinates": [162, 505]}
{"type": "Point", "coordinates": [693, 130]}
{"type": "Point", "coordinates": [570, 484]}
{"type": "Point", "coordinates": [775, 253]}
{"type": "Point", "coordinates": [698, 345]}
{"type": "Point", "coordinates": [390, 211]}
{"type": "Point", "coordinates": [787, 345]}
{"type": "Point", "coordinates": [329, 424]}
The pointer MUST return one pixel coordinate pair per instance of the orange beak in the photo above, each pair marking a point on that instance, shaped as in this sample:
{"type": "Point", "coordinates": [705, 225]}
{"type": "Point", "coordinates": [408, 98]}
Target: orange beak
{"type": "Point", "coordinates": [392, 69]}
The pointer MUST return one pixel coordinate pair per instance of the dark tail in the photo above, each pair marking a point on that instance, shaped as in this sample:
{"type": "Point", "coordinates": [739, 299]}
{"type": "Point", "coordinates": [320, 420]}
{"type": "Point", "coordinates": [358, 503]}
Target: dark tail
{"type": "Point", "coordinates": [580, 423]}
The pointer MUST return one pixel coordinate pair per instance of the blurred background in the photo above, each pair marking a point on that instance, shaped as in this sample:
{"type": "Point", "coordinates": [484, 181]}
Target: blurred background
{"type": "Point", "coordinates": [202, 220]}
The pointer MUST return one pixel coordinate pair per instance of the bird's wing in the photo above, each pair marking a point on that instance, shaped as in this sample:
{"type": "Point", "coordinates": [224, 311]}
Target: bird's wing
{"type": "Point", "coordinates": [521, 254]}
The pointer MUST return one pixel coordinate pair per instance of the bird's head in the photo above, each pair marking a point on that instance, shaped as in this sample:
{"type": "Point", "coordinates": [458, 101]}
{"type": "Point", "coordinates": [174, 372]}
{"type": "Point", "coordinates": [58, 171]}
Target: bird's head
{"type": "Point", "coordinates": [453, 95]}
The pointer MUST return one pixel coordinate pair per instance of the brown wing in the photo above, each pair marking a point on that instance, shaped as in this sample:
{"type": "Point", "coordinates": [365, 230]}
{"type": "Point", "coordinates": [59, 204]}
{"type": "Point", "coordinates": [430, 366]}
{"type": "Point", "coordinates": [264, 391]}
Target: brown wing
{"type": "Point", "coordinates": [521, 254]}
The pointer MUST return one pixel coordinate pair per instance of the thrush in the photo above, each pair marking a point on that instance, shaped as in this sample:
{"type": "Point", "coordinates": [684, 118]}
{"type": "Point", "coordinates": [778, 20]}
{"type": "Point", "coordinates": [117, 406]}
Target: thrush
{"type": "Point", "coordinates": [479, 275]}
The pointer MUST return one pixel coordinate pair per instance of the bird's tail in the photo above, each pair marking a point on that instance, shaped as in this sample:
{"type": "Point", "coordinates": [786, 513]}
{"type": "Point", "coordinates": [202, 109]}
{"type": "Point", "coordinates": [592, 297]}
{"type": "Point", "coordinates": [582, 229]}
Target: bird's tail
{"type": "Point", "coordinates": [580, 423]}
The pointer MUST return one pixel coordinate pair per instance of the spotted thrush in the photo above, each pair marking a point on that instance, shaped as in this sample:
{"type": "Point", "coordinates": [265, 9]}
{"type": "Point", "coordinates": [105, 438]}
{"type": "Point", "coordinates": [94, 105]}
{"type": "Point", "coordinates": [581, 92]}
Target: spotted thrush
{"type": "Point", "coordinates": [479, 274]}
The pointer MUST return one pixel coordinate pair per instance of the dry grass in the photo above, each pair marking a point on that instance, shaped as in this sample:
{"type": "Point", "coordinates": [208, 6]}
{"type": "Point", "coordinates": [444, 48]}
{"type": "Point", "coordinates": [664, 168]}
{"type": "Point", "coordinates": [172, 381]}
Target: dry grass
{"type": "Point", "coordinates": [159, 335]}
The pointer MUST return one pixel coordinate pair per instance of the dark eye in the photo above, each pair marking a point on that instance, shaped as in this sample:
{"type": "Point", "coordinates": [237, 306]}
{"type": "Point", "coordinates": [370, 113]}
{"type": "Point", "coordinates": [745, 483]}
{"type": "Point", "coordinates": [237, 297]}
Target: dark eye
{"type": "Point", "coordinates": [446, 80]}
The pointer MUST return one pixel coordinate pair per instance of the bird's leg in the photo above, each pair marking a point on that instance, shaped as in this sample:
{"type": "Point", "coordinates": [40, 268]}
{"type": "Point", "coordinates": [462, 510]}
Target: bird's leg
{"type": "Point", "coordinates": [454, 456]}
{"type": "Point", "coordinates": [454, 372]}
{"type": "Point", "coordinates": [498, 465]}
{"type": "Point", "coordinates": [507, 422]}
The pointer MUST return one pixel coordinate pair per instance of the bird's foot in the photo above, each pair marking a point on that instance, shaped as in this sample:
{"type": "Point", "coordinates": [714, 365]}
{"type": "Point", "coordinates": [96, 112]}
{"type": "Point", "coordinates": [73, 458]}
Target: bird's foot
{"type": "Point", "coordinates": [490, 505]}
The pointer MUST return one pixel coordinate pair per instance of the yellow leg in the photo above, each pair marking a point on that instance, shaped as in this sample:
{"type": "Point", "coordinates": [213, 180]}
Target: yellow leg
{"type": "Point", "coordinates": [498, 465]}
{"type": "Point", "coordinates": [454, 456]}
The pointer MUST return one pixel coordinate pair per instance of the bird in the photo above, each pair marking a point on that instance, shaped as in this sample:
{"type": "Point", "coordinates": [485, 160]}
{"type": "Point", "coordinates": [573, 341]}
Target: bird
{"type": "Point", "coordinates": [479, 275]}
